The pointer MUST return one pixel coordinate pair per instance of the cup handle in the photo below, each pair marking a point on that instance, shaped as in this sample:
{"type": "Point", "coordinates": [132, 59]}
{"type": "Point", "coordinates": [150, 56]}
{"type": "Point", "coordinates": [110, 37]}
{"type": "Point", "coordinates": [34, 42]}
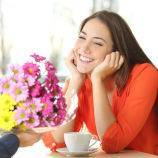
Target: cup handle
{"type": "Point", "coordinates": [96, 140]}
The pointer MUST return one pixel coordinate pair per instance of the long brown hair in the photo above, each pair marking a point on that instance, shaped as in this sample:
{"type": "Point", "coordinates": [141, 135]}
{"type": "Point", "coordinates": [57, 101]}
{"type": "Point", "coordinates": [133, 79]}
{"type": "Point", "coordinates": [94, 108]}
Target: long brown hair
{"type": "Point", "coordinates": [123, 41]}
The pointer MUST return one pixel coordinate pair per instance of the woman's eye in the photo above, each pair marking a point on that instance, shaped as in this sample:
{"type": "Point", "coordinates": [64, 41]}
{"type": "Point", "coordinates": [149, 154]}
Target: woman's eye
{"type": "Point", "coordinates": [81, 37]}
{"type": "Point", "coordinates": [99, 44]}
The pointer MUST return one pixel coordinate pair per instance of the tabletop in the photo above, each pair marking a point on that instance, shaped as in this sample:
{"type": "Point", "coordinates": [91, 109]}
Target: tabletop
{"type": "Point", "coordinates": [101, 154]}
{"type": "Point", "coordinates": [39, 150]}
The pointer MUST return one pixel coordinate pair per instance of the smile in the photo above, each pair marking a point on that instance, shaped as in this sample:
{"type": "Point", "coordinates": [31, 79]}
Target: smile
{"type": "Point", "coordinates": [85, 59]}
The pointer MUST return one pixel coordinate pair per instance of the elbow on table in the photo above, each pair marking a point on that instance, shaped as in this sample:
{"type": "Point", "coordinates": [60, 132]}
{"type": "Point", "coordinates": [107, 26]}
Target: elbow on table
{"type": "Point", "coordinates": [110, 149]}
{"type": "Point", "coordinates": [111, 146]}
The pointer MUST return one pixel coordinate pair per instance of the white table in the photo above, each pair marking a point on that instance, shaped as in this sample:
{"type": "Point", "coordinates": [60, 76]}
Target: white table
{"type": "Point", "coordinates": [38, 150]}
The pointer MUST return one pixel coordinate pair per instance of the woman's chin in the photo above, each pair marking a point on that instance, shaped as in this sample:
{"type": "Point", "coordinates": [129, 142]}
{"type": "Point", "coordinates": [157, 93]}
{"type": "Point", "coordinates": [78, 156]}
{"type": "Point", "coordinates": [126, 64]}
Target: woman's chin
{"type": "Point", "coordinates": [84, 70]}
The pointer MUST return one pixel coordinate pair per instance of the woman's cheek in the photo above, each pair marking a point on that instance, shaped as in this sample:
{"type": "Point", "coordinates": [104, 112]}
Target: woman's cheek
{"type": "Point", "coordinates": [76, 45]}
{"type": "Point", "coordinates": [101, 60]}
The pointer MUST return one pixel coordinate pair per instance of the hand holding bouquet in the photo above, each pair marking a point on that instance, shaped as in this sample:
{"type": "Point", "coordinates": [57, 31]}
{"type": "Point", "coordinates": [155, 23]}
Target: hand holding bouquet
{"type": "Point", "coordinates": [30, 96]}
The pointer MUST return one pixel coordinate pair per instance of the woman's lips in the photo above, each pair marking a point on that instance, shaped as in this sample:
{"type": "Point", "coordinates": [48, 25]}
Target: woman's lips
{"type": "Point", "coordinates": [85, 59]}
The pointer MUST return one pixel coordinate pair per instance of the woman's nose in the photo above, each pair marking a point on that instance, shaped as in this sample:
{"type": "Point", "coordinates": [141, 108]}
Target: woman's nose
{"type": "Point", "coordinates": [86, 47]}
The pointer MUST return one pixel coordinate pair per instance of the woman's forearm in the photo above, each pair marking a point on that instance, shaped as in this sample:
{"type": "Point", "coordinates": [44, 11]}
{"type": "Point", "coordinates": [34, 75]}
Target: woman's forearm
{"type": "Point", "coordinates": [104, 116]}
{"type": "Point", "coordinates": [58, 134]}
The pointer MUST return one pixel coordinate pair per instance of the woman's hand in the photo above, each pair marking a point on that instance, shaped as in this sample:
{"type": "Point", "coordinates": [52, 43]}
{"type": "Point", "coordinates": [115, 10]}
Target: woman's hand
{"type": "Point", "coordinates": [77, 78]}
{"type": "Point", "coordinates": [109, 66]}
{"type": "Point", "coordinates": [28, 137]}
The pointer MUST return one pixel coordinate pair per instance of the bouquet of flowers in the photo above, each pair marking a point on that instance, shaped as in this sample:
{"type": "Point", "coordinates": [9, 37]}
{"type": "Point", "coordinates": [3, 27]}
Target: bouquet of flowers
{"type": "Point", "coordinates": [30, 96]}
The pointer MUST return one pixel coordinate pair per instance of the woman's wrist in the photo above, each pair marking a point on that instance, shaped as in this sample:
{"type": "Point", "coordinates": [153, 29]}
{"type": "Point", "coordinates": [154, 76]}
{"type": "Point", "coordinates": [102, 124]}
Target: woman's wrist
{"type": "Point", "coordinates": [75, 85]}
{"type": "Point", "coordinates": [96, 80]}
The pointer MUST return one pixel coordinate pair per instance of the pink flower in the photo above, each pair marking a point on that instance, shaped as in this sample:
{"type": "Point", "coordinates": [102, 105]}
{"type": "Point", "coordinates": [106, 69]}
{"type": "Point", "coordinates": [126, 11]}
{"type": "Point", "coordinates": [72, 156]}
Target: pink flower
{"type": "Point", "coordinates": [56, 121]}
{"type": "Point", "coordinates": [21, 115]}
{"type": "Point", "coordinates": [62, 113]}
{"type": "Point", "coordinates": [30, 80]}
{"type": "Point", "coordinates": [19, 92]}
{"type": "Point", "coordinates": [51, 82]}
{"type": "Point", "coordinates": [31, 69]}
{"type": "Point", "coordinates": [36, 90]}
{"type": "Point", "coordinates": [61, 103]}
{"type": "Point", "coordinates": [34, 105]}
{"type": "Point", "coordinates": [33, 121]}
{"type": "Point", "coordinates": [48, 108]}
{"type": "Point", "coordinates": [16, 70]}
{"type": "Point", "coordinates": [37, 57]}
{"type": "Point", "coordinates": [5, 84]}
{"type": "Point", "coordinates": [50, 67]}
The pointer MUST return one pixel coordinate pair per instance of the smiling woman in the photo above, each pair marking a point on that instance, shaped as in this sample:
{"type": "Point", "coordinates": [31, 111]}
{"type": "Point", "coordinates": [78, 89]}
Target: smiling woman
{"type": "Point", "coordinates": [92, 45]}
{"type": "Point", "coordinates": [110, 73]}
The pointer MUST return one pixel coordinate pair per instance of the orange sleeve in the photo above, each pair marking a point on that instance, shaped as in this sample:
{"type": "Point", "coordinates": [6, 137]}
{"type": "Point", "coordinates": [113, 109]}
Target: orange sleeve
{"type": "Point", "coordinates": [49, 142]}
{"type": "Point", "coordinates": [79, 117]}
{"type": "Point", "coordinates": [131, 118]}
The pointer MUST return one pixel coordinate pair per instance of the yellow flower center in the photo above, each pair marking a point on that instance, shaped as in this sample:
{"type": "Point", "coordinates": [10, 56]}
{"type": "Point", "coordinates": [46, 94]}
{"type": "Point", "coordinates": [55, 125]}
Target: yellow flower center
{"type": "Point", "coordinates": [18, 91]}
{"type": "Point", "coordinates": [22, 115]}
{"type": "Point", "coordinates": [15, 71]}
{"type": "Point", "coordinates": [33, 106]}
{"type": "Point", "coordinates": [30, 71]}
{"type": "Point", "coordinates": [32, 120]}
{"type": "Point", "coordinates": [6, 86]}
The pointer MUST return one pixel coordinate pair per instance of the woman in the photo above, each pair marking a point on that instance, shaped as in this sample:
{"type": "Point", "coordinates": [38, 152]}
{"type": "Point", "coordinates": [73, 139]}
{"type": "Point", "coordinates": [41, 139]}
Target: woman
{"type": "Point", "coordinates": [117, 87]}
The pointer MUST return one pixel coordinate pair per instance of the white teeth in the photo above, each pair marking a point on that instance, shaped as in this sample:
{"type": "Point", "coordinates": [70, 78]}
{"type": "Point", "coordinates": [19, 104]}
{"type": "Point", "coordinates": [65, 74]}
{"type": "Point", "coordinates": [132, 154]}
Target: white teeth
{"type": "Point", "coordinates": [85, 59]}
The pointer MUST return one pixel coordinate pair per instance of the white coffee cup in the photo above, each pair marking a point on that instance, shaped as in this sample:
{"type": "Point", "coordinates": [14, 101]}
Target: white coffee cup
{"type": "Point", "coordinates": [77, 142]}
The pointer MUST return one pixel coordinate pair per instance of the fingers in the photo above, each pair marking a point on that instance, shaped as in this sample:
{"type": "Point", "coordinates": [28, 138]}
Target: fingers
{"type": "Point", "coordinates": [71, 60]}
{"type": "Point", "coordinates": [114, 60]}
{"type": "Point", "coordinates": [117, 58]}
{"type": "Point", "coordinates": [121, 61]}
{"type": "Point", "coordinates": [107, 59]}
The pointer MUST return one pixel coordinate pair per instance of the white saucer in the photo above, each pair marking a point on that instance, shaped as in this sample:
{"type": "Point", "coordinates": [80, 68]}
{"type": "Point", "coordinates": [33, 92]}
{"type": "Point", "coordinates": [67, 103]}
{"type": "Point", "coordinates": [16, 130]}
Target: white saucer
{"type": "Point", "coordinates": [64, 151]}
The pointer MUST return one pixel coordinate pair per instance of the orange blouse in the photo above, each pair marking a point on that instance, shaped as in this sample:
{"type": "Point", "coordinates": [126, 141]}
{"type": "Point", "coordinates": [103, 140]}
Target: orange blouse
{"type": "Point", "coordinates": [136, 112]}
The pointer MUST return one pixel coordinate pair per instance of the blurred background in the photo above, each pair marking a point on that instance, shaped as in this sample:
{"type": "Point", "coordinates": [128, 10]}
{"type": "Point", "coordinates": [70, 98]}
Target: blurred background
{"type": "Point", "coordinates": [50, 27]}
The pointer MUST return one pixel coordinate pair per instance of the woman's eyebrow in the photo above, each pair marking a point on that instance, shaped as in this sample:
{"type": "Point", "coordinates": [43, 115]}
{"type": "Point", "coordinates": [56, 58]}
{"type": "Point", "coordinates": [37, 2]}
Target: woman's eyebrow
{"type": "Point", "coordinates": [82, 32]}
{"type": "Point", "coordinates": [100, 39]}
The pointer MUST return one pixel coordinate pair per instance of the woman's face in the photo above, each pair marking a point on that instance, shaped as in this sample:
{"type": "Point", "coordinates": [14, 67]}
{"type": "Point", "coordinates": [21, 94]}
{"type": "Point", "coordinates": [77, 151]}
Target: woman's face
{"type": "Point", "coordinates": [92, 46]}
